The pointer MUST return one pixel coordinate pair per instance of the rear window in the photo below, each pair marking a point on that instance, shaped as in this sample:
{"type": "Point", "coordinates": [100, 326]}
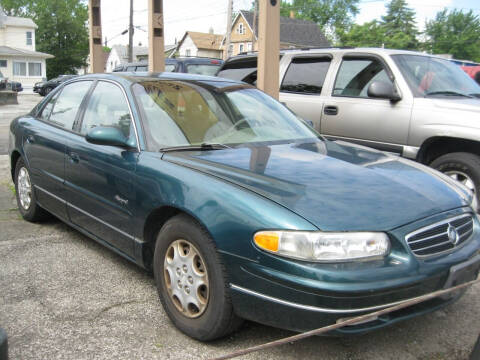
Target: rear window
{"type": "Point", "coordinates": [169, 67]}
{"type": "Point", "coordinates": [142, 68]}
{"type": "Point", "coordinates": [203, 69]}
{"type": "Point", "coordinates": [305, 75]}
{"type": "Point", "coordinates": [243, 70]}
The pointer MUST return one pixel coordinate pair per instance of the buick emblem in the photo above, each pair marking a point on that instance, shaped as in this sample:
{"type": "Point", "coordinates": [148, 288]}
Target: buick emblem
{"type": "Point", "coordinates": [452, 234]}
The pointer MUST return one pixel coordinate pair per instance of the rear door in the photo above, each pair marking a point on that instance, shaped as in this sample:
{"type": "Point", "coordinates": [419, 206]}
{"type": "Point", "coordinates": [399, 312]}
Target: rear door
{"type": "Point", "coordinates": [301, 88]}
{"type": "Point", "coordinates": [45, 141]}
{"type": "Point", "coordinates": [99, 178]}
{"type": "Point", "coordinates": [349, 112]}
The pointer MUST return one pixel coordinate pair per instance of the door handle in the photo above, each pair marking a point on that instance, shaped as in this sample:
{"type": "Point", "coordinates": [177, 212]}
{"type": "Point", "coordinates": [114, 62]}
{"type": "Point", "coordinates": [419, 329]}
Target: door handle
{"type": "Point", "coordinates": [30, 139]}
{"type": "Point", "coordinates": [330, 110]}
{"type": "Point", "coordinates": [74, 158]}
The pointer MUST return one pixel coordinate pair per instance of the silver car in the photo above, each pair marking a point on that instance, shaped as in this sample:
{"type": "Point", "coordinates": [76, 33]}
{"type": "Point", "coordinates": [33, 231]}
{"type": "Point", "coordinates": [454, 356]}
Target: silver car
{"type": "Point", "coordinates": [419, 106]}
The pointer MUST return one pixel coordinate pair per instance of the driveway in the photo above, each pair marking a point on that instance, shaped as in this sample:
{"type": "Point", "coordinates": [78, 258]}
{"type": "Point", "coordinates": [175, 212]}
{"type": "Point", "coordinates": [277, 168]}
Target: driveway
{"type": "Point", "coordinates": [63, 296]}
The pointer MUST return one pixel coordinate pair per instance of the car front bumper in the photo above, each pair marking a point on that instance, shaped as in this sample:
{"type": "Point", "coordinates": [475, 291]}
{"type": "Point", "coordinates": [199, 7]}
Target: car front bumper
{"type": "Point", "coordinates": [302, 296]}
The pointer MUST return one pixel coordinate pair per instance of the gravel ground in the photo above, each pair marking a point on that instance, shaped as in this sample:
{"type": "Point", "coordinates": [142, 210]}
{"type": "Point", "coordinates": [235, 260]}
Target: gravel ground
{"type": "Point", "coordinates": [63, 296]}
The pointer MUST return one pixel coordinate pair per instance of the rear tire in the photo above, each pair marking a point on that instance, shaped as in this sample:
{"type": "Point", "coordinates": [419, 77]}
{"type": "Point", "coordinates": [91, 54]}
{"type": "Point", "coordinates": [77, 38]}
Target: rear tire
{"type": "Point", "coordinates": [25, 194]}
{"type": "Point", "coordinates": [177, 280]}
{"type": "Point", "coordinates": [464, 167]}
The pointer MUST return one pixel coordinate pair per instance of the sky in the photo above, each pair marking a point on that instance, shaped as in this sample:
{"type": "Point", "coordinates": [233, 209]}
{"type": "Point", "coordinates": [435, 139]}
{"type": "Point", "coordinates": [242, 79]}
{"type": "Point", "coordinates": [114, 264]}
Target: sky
{"type": "Point", "coordinates": [203, 15]}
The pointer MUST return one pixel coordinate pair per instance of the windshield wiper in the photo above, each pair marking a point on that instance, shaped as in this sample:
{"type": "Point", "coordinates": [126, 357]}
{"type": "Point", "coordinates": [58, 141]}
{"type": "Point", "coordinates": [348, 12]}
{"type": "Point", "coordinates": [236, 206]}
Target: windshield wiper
{"type": "Point", "coordinates": [448, 92]}
{"type": "Point", "coordinates": [201, 147]}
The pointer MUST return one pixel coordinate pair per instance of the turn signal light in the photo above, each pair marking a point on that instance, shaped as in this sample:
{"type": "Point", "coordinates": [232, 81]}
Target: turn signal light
{"type": "Point", "coordinates": [267, 240]}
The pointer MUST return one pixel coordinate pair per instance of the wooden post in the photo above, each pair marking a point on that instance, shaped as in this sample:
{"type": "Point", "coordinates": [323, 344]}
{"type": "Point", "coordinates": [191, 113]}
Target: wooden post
{"type": "Point", "coordinates": [226, 52]}
{"type": "Point", "coordinates": [156, 46]}
{"type": "Point", "coordinates": [269, 47]}
{"type": "Point", "coordinates": [95, 32]}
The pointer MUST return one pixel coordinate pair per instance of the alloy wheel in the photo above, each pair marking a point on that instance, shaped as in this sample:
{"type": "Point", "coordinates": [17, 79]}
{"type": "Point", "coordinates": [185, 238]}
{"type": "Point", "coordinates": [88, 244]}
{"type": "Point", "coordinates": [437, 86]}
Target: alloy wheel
{"type": "Point", "coordinates": [463, 178]}
{"type": "Point", "coordinates": [186, 278]}
{"type": "Point", "coordinates": [24, 188]}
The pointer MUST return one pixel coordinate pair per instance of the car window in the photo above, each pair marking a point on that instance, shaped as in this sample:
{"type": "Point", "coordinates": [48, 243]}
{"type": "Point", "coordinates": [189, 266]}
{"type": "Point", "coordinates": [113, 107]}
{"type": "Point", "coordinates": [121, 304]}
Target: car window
{"type": "Point", "coordinates": [203, 69]}
{"type": "Point", "coordinates": [47, 109]}
{"type": "Point", "coordinates": [356, 75]}
{"type": "Point", "coordinates": [243, 70]}
{"type": "Point", "coordinates": [68, 102]}
{"type": "Point", "coordinates": [305, 75]}
{"type": "Point", "coordinates": [142, 68]}
{"type": "Point", "coordinates": [131, 68]}
{"type": "Point", "coordinates": [107, 107]}
{"type": "Point", "coordinates": [169, 67]}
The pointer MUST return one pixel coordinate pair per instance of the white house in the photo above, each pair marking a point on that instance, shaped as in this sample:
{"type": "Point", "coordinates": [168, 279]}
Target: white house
{"type": "Point", "coordinates": [200, 44]}
{"type": "Point", "coordinates": [18, 59]}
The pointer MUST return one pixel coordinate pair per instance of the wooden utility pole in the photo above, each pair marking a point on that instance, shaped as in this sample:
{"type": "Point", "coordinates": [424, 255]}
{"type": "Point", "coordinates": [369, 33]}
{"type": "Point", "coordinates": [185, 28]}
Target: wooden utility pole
{"type": "Point", "coordinates": [255, 15]}
{"type": "Point", "coordinates": [226, 53]}
{"type": "Point", "coordinates": [130, 34]}
{"type": "Point", "coordinates": [269, 47]}
{"type": "Point", "coordinates": [95, 36]}
{"type": "Point", "coordinates": [156, 46]}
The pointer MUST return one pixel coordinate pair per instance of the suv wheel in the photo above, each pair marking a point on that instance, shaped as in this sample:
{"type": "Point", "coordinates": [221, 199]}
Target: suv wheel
{"type": "Point", "coordinates": [191, 280]}
{"type": "Point", "coordinates": [463, 167]}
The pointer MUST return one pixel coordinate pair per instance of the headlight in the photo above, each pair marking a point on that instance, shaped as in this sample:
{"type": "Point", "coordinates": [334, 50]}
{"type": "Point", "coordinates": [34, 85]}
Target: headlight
{"type": "Point", "coordinates": [324, 246]}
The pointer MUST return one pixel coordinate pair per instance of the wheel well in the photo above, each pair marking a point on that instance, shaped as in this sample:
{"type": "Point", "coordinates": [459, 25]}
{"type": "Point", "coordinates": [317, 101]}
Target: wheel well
{"type": "Point", "coordinates": [13, 161]}
{"type": "Point", "coordinates": [438, 146]}
{"type": "Point", "coordinates": [153, 224]}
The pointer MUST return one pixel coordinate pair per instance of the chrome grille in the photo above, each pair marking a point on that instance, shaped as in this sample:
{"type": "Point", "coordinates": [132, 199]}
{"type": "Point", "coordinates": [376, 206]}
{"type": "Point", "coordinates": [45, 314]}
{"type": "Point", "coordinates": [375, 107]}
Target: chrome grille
{"type": "Point", "coordinates": [441, 236]}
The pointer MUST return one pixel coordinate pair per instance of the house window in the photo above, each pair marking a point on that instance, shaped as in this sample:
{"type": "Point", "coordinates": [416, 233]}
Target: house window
{"type": "Point", "coordinates": [187, 52]}
{"type": "Point", "coordinates": [241, 29]}
{"type": "Point", "coordinates": [249, 47]}
{"type": "Point", "coordinates": [19, 68]}
{"type": "Point", "coordinates": [230, 49]}
{"type": "Point", "coordinates": [29, 38]}
{"type": "Point", "coordinates": [241, 48]}
{"type": "Point", "coordinates": [3, 63]}
{"type": "Point", "coordinates": [34, 69]}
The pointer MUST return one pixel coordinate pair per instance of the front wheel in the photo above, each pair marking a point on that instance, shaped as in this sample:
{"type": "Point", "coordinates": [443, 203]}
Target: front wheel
{"type": "Point", "coordinates": [191, 280]}
{"type": "Point", "coordinates": [463, 167]}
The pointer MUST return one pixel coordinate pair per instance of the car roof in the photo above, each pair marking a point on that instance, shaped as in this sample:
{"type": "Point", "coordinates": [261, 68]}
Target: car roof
{"type": "Point", "coordinates": [135, 77]}
{"type": "Point", "coordinates": [343, 50]}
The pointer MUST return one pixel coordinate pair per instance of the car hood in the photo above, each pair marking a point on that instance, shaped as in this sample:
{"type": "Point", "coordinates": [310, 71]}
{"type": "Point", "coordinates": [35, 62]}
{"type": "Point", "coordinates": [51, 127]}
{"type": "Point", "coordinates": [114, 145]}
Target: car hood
{"type": "Point", "coordinates": [335, 186]}
{"type": "Point", "coordinates": [457, 104]}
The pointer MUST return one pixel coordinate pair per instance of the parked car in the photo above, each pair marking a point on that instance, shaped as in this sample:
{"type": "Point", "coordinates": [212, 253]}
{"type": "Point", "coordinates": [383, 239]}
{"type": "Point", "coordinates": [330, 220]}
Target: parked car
{"type": "Point", "coordinates": [191, 65]}
{"type": "Point", "coordinates": [420, 106]}
{"type": "Point", "coordinates": [6, 84]}
{"type": "Point", "coordinates": [241, 210]}
{"type": "Point", "coordinates": [3, 345]}
{"type": "Point", "coordinates": [44, 87]}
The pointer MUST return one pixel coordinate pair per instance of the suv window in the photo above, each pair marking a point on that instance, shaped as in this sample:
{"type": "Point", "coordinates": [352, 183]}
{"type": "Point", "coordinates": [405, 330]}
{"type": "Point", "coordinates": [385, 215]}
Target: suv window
{"type": "Point", "coordinates": [356, 75]}
{"type": "Point", "coordinates": [202, 69]}
{"type": "Point", "coordinates": [68, 102]}
{"type": "Point", "coordinates": [305, 75]}
{"type": "Point", "coordinates": [107, 107]}
{"type": "Point", "coordinates": [242, 69]}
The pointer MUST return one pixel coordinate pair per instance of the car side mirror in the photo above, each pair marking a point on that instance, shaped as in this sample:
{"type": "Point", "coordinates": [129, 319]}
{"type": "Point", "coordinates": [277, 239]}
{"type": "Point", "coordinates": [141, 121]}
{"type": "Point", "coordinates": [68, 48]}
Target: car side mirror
{"type": "Point", "coordinates": [383, 90]}
{"type": "Point", "coordinates": [112, 136]}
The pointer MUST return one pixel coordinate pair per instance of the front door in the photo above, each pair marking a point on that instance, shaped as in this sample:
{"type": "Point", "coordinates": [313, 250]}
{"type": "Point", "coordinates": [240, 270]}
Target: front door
{"type": "Point", "coordinates": [99, 178]}
{"type": "Point", "coordinates": [350, 114]}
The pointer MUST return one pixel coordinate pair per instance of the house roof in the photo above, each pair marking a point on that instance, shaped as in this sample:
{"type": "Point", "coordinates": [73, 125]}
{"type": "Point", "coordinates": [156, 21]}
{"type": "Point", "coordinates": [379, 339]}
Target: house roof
{"type": "Point", "coordinates": [15, 21]}
{"type": "Point", "coordinates": [203, 40]}
{"type": "Point", "coordinates": [11, 51]}
{"type": "Point", "coordinates": [293, 31]}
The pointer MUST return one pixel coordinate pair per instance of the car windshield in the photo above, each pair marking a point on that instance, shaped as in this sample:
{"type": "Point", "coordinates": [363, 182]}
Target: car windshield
{"type": "Point", "coordinates": [182, 113]}
{"type": "Point", "coordinates": [429, 76]}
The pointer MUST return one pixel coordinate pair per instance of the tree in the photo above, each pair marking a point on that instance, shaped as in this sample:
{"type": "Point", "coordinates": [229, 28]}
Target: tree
{"type": "Point", "coordinates": [399, 26]}
{"type": "Point", "coordinates": [62, 30]}
{"type": "Point", "coordinates": [455, 33]}
{"type": "Point", "coordinates": [335, 17]}
{"type": "Point", "coordinates": [370, 34]}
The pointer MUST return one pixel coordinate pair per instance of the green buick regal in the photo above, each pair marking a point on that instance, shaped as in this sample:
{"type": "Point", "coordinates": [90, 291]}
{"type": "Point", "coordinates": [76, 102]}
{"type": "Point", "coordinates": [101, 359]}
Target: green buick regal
{"type": "Point", "coordinates": [240, 209]}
